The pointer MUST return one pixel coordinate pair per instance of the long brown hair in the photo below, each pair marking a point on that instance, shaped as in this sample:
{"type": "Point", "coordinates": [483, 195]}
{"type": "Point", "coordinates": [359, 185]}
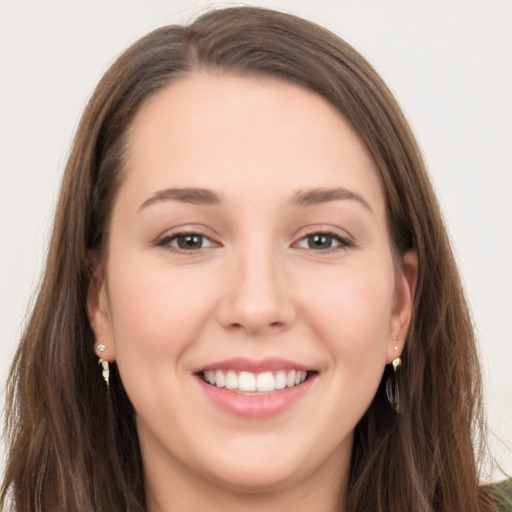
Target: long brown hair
{"type": "Point", "coordinates": [73, 446]}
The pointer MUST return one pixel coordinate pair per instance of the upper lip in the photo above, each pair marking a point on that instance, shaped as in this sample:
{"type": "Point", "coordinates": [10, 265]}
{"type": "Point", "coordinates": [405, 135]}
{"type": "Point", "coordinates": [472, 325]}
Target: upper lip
{"type": "Point", "coordinates": [253, 365]}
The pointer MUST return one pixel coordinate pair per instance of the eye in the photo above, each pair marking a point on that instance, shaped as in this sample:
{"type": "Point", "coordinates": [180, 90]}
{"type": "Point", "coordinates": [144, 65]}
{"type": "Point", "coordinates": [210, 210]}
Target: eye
{"type": "Point", "coordinates": [323, 242]}
{"type": "Point", "coordinates": [186, 241]}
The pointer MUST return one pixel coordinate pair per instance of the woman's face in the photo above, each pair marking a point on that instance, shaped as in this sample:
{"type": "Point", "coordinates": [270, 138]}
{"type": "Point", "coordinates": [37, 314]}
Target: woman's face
{"type": "Point", "coordinates": [249, 296]}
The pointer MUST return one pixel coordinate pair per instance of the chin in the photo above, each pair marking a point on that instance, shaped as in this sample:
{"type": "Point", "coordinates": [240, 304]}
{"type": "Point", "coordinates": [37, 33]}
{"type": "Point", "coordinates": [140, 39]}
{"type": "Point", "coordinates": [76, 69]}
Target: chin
{"type": "Point", "coordinates": [261, 463]}
{"type": "Point", "coordinates": [256, 476]}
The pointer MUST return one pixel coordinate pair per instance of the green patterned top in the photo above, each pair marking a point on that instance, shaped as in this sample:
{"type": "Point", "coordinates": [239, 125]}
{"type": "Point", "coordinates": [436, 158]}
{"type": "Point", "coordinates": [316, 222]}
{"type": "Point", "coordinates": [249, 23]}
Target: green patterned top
{"type": "Point", "coordinates": [503, 491]}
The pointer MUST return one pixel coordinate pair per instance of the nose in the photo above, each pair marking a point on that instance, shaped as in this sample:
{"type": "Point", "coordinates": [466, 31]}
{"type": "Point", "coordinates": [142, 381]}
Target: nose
{"type": "Point", "coordinates": [257, 298]}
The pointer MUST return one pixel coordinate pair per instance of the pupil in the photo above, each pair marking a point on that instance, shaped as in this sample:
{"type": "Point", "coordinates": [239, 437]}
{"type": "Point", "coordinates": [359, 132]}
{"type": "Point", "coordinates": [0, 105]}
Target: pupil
{"type": "Point", "coordinates": [190, 241]}
{"type": "Point", "coordinates": [320, 241]}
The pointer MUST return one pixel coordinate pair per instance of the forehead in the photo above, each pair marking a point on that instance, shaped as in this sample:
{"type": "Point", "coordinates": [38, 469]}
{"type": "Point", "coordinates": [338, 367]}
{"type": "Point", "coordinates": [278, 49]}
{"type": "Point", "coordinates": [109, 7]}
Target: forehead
{"type": "Point", "coordinates": [245, 135]}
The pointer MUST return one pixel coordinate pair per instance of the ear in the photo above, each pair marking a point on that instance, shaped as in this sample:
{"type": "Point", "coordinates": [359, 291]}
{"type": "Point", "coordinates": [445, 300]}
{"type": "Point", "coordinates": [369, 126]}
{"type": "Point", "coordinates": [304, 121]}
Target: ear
{"type": "Point", "coordinates": [98, 311]}
{"type": "Point", "coordinates": [402, 309]}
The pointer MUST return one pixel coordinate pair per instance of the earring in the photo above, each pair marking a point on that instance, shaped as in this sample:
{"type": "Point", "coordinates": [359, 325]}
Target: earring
{"type": "Point", "coordinates": [104, 364]}
{"type": "Point", "coordinates": [392, 389]}
{"type": "Point", "coordinates": [106, 371]}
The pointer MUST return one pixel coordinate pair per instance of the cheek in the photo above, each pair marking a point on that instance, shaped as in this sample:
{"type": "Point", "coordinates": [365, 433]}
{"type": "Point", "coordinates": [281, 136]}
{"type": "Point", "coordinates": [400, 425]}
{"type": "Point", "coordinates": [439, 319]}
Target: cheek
{"type": "Point", "coordinates": [157, 311]}
{"type": "Point", "coordinates": [349, 314]}
{"type": "Point", "coordinates": [352, 311]}
{"type": "Point", "coordinates": [157, 315]}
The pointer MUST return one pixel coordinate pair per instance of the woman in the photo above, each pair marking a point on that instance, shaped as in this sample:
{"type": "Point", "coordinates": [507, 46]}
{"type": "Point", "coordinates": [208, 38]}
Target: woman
{"type": "Point", "coordinates": [248, 243]}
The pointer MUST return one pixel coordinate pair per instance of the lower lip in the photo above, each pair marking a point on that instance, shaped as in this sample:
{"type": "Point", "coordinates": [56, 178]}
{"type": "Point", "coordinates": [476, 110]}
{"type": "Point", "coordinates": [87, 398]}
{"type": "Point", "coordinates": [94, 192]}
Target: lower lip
{"type": "Point", "coordinates": [256, 406]}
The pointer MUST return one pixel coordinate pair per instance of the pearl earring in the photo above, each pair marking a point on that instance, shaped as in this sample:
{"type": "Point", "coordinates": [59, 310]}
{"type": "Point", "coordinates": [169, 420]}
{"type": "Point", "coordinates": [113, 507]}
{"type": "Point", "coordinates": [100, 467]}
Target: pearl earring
{"type": "Point", "coordinates": [104, 364]}
{"type": "Point", "coordinates": [105, 372]}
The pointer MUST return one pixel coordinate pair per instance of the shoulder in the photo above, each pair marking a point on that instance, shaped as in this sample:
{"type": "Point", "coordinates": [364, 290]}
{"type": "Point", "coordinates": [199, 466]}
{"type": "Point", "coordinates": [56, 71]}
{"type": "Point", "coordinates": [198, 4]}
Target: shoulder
{"type": "Point", "coordinates": [503, 494]}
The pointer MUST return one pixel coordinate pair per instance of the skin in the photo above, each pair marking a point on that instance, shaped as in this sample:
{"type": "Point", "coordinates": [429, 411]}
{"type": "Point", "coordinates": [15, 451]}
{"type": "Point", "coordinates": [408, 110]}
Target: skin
{"type": "Point", "coordinates": [256, 287]}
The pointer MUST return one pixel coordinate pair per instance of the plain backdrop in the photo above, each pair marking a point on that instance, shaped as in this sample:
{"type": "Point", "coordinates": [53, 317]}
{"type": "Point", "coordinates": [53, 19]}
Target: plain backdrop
{"type": "Point", "coordinates": [447, 61]}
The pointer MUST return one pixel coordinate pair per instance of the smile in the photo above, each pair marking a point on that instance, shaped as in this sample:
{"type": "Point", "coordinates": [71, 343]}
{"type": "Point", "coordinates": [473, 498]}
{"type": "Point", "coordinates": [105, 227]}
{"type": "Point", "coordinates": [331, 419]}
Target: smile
{"type": "Point", "coordinates": [249, 382]}
{"type": "Point", "coordinates": [252, 389]}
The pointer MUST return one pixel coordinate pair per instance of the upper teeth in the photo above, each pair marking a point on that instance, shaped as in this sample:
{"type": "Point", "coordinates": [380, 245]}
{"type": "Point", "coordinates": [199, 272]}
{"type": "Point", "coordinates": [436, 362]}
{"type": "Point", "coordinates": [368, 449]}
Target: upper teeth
{"type": "Point", "coordinates": [247, 381]}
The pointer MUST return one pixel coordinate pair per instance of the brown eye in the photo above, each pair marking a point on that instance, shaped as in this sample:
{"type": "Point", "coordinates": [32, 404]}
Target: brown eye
{"type": "Point", "coordinates": [189, 242]}
{"type": "Point", "coordinates": [323, 242]}
{"type": "Point", "coordinates": [186, 242]}
{"type": "Point", "coordinates": [320, 241]}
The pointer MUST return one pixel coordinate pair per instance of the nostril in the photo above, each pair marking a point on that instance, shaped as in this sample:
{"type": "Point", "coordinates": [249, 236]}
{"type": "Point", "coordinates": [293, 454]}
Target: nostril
{"type": "Point", "coordinates": [255, 312]}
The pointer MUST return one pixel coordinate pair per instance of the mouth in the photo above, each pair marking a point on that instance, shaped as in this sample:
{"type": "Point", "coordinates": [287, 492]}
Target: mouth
{"type": "Point", "coordinates": [255, 389]}
{"type": "Point", "coordinates": [255, 383]}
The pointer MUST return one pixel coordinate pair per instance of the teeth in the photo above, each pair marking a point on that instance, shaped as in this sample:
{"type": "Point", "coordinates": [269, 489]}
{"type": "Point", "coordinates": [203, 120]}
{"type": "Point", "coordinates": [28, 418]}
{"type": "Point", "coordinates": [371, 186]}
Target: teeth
{"type": "Point", "coordinates": [220, 381]}
{"type": "Point", "coordinates": [247, 381]}
{"type": "Point", "coordinates": [265, 382]}
{"type": "Point", "coordinates": [251, 382]}
{"type": "Point", "coordinates": [210, 377]}
{"type": "Point", "coordinates": [231, 380]}
{"type": "Point", "coordinates": [280, 380]}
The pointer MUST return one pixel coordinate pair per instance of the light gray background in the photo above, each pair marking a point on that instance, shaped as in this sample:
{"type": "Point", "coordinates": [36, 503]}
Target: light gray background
{"type": "Point", "coordinates": [448, 62]}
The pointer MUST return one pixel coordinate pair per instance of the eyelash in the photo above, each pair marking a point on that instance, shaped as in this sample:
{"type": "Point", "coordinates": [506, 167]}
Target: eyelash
{"type": "Point", "coordinates": [166, 241]}
{"type": "Point", "coordinates": [344, 243]}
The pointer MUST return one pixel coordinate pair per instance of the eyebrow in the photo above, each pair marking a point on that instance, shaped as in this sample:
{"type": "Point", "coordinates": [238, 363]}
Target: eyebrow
{"type": "Point", "coordinates": [316, 196]}
{"type": "Point", "coordinates": [203, 196]}
{"type": "Point", "coordinates": [200, 196]}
